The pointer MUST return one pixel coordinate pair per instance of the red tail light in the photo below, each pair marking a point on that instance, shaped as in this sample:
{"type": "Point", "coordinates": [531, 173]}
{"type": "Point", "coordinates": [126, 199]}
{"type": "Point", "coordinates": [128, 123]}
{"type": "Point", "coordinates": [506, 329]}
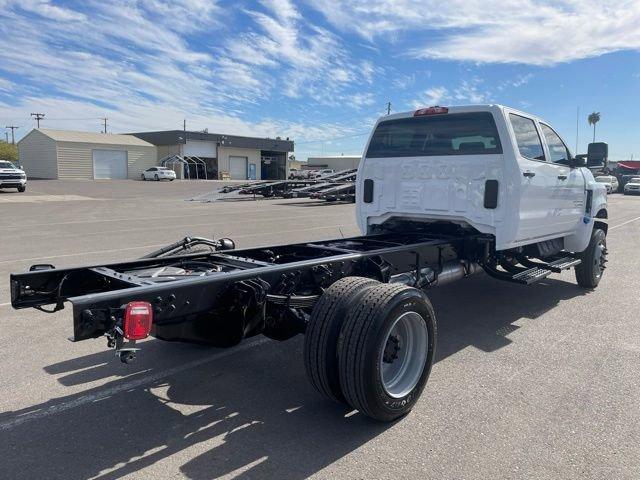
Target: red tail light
{"type": "Point", "coordinates": [431, 111]}
{"type": "Point", "coordinates": [138, 317]}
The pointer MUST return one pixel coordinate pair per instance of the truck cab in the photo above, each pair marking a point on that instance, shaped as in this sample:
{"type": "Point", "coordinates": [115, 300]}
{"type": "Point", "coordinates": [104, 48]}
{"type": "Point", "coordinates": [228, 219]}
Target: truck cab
{"type": "Point", "coordinates": [491, 168]}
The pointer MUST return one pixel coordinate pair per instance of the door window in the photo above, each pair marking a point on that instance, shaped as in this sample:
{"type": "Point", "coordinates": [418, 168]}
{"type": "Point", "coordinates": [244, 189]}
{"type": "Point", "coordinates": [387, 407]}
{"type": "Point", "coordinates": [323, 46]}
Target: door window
{"type": "Point", "coordinates": [527, 137]}
{"type": "Point", "coordinates": [558, 151]}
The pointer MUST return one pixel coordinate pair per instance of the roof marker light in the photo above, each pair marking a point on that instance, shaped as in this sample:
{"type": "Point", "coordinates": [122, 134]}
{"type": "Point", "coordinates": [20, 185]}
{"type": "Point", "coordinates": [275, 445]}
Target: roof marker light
{"type": "Point", "coordinates": [431, 111]}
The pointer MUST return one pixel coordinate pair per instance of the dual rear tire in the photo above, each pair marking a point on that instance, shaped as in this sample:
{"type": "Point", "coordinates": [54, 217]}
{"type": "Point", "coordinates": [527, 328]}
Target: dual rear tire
{"type": "Point", "coordinates": [371, 345]}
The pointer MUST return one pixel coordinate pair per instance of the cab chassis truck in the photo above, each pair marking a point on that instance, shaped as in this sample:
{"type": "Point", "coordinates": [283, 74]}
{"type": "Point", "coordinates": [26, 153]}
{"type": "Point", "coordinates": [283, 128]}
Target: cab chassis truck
{"type": "Point", "coordinates": [441, 194]}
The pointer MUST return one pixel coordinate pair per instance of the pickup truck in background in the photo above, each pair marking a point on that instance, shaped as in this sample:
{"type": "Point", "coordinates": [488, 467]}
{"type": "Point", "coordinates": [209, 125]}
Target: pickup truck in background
{"type": "Point", "coordinates": [442, 193]}
{"type": "Point", "coordinates": [12, 176]}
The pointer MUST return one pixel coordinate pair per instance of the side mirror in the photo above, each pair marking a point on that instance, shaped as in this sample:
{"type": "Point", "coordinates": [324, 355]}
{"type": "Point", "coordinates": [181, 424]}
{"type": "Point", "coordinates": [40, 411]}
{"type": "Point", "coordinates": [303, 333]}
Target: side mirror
{"type": "Point", "coordinates": [578, 161]}
{"type": "Point", "coordinates": [597, 155]}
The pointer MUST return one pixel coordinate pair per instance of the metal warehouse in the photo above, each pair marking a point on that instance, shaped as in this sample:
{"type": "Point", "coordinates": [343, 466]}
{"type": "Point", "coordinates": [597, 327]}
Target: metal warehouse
{"type": "Point", "coordinates": [341, 162]}
{"type": "Point", "coordinates": [225, 156]}
{"type": "Point", "coordinates": [62, 154]}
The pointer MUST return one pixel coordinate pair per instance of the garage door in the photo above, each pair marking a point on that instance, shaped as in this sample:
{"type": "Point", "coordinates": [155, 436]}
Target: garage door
{"type": "Point", "coordinates": [109, 164]}
{"type": "Point", "coordinates": [238, 168]}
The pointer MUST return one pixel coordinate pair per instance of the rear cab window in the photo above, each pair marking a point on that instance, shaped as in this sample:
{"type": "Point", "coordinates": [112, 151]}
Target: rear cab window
{"type": "Point", "coordinates": [527, 138]}
{"type": "Point", "coordinates": [472, 133]}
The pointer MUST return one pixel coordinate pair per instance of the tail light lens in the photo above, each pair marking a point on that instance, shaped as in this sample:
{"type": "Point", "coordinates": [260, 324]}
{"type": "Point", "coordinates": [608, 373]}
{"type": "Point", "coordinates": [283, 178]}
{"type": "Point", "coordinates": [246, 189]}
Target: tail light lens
{"type": "Point", "coordinates": [138, 317]}
{"type": "Point", "coordinates": [431, 111]}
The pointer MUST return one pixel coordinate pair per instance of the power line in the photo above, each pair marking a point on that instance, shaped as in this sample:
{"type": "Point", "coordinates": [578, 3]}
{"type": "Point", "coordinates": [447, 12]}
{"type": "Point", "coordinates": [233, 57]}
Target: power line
{"type": "Point", "coordinates": [38, 117]}
{"type": "Point", "coordinates": [12, 127]}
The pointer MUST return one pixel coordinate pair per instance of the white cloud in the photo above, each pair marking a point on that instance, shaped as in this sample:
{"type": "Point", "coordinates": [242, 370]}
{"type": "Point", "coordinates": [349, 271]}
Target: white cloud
{"type": "Point", "coordinates": [135, 64]}
{"type": "Point", "coordinates": [536, 32]}
{"type": "Point", "coordinates": [466, 92]}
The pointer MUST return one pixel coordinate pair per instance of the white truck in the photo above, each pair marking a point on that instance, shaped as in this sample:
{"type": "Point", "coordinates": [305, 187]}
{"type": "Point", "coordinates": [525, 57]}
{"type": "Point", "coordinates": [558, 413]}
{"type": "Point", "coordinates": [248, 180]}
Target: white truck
{"type": "Point", "coordinates": [12, 176]}
{"type": "Point", "coordinates": [441, 194]}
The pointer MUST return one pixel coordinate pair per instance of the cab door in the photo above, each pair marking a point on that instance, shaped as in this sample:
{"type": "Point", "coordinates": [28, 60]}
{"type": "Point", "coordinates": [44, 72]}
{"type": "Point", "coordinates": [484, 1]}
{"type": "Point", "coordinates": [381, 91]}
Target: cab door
{"type": "Point", "coordinates": [571, 191]}
{"type": "Point", "coordinates": [538, 210]}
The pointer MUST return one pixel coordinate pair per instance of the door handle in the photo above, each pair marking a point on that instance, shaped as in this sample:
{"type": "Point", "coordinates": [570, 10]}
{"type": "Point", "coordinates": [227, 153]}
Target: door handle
{"type": "Point", "coordinates": [562, 177]}
{"type": "Point", "coordinates": [529, 174]}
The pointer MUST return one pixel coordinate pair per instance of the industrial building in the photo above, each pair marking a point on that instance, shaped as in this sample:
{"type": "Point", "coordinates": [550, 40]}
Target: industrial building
{"type": "Point", "coordinates": [63, 154]}
{"type": "Point", "coordinates": [235, 157]}
{"type": "Point", "coordinates": [341, 162]}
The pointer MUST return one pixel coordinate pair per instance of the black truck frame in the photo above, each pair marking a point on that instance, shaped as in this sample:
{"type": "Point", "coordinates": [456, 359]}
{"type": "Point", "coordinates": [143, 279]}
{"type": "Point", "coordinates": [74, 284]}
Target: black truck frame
{"type": "Point", "coordinates": [205, 291]}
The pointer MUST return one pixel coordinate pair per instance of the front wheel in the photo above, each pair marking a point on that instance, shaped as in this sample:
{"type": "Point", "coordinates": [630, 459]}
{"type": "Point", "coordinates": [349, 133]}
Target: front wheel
{"type": "Point", "coordinates": [386, 349]}
{"type": "Point", "coordinates": [594, 259]}
{"type": "Point", "coordinates": [22, 188]}
{"type": "Point", "coordinates": [156, 177]}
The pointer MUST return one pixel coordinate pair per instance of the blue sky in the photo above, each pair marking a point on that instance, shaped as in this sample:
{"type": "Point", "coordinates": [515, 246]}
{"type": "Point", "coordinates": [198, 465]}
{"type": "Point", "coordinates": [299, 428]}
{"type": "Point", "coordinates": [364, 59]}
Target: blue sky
{"type": "Point", "coordinates": [318, 71]}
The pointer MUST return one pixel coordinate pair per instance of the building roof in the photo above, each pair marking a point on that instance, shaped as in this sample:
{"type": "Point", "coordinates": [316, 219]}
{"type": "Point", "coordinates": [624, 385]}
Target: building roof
{"type": "Point", "coordinates": [90, 137]}
{"type": "Point", "coordinates": [176, 137]}
{"type": "Point", "coordinates": [631, 164]}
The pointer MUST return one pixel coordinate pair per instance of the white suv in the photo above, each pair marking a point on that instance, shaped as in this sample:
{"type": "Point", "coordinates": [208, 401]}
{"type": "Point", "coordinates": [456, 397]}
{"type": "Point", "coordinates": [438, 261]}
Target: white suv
{"type": "Point", "coordinates": [12, 177]}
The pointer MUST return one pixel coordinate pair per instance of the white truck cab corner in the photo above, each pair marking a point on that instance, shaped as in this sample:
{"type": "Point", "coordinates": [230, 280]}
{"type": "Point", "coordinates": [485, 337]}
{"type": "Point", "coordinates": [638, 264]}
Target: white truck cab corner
{"type": "Point", "coordinates": [490, 168]}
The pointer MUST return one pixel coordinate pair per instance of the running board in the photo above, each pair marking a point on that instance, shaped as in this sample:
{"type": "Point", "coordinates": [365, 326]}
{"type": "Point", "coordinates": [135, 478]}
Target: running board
{"type": "Point", "coordinates": [531, 275]}
{"type": "Point", "coordinates": [533, 271]}
{"type": "Point", "coordinates": [565, 263]}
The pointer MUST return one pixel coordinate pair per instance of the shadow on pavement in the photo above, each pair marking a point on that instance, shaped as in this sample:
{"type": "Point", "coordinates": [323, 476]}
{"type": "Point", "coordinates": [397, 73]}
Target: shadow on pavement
{"type": "Point", "coordinates": [252, 414]}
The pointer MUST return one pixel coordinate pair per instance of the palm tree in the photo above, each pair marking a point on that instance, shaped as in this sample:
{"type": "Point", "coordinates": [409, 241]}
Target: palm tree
{"type": "Point", "coordinates": [593, 119]}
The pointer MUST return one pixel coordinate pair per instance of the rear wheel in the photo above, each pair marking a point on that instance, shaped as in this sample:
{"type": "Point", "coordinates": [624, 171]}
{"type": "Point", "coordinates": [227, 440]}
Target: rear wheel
{"type": "Point", "coordinates": [386, 350]}
{"type": "Point", "coordinates": [594, 258]}
{"type": "Point", "coordinates": [323, 330]}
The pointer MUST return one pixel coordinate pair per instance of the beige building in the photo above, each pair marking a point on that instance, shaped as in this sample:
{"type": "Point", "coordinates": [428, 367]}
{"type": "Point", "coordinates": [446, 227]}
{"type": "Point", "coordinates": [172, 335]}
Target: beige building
{"type": "Point", "coordinates": [225, 156]}
{"type": "Point", "coordinates": [337, 163]}
{"type": "Point", "coordinates": [63, 154]}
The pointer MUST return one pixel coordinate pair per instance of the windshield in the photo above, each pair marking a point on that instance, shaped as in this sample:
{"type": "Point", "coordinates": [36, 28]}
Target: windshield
{"type": "Point", "coordinates": [4, 164]}
{"type": "Point", "coordinates": [449, 134]}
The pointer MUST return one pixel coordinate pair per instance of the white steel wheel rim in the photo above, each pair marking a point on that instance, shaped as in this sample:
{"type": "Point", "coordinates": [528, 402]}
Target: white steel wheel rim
{"type": "Point", "coordinates": [404, 354]}
{"type": "Point", "coordinates": [599, 258]}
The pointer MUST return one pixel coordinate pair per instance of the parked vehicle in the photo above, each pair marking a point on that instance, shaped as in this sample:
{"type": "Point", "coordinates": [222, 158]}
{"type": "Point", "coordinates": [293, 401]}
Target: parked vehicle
{"type": "Point", "coordinates": [11, 176]}
{"type": "Point", "coordinates": [623, 179]}
{"type": "Point", "coordinates": [441, 193]}
{"type": "Point", "coordinates": [317, 174]}
{"type": "Point", "coordinates": [158, 173]}
{"type": "Point", "coordinates": [295, 174]}
{"type": "Point", "coordinates": [609, 181]}
{"type": "Point", "coordinates": [632, 187]}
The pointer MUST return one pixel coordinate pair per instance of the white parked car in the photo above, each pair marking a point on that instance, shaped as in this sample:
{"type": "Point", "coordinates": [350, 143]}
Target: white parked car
{"type": "Point", "coordinates": [609, 181]}
{"type": "Point", "coordinates": [325, 172]}
{"type": "Point", "coordinates": [295, 174]}
{"type": "Point", "coordinates": [158, 173]}
{"type": "Point", "coordinates": [632, 187]}
{"type": "Point", "coordinates": [12, 177]}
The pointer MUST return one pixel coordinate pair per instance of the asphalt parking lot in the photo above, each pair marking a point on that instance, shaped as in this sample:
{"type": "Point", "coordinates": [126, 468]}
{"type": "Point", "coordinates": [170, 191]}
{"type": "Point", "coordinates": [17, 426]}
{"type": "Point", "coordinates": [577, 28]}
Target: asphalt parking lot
{"type": "Point", "coordinates": [530, 382]}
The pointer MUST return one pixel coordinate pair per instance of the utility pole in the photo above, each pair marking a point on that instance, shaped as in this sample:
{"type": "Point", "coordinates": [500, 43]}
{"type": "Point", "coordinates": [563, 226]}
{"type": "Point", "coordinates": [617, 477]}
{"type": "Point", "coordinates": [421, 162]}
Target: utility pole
{"type": "Point", "coordinates": [388, 108]}
{"type": "Point", "coordinates": [577, 130]}
{"type": "Point", "coordinates": [6, 136]}
{"type": "Point", "coordinates": [38, 117]}
{"type": "Point", "coordinates": [104, 122]}
{"type": "Point", "coordinates": [13, 142]}
{"type": "Point", "coordinates": [184, 130]}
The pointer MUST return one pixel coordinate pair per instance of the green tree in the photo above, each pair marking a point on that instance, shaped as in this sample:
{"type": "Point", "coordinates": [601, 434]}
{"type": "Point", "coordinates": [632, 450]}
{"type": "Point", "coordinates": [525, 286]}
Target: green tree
{"type": "Point", "coordinates": [593, 119]}
{"type": "Point", "coordinates": [8, 152]}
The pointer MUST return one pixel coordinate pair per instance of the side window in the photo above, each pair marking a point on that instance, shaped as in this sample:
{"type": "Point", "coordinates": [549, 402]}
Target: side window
{"type": "Point", "coordinates": [557, 149]}
{"type": "Point", "coordinates": [152, 169]}
{"type": "Point", "coordinates": [527, 137]}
